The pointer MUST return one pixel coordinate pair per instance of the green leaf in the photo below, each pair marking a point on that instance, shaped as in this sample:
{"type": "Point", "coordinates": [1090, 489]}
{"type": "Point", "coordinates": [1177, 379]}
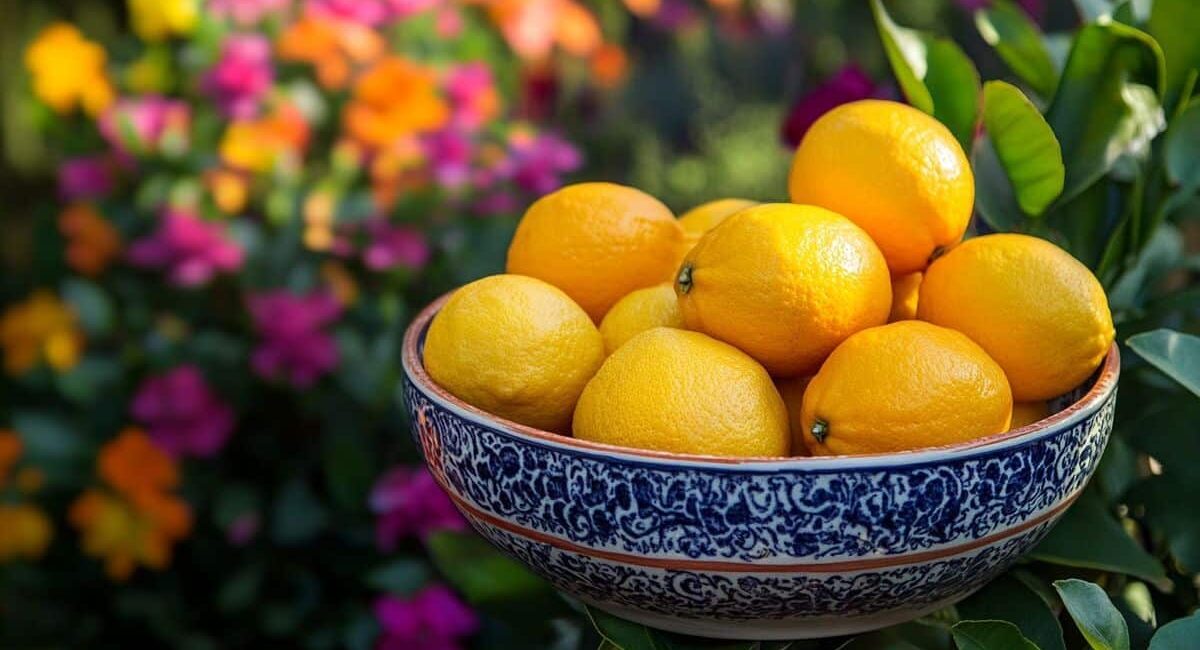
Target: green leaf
{"type": "Point", "coordinates": [934, 74]}
{"type": "Point", "coordinates": [1098, 620]}
{"type": "Point", "coordinates": [1173, 24]}
{"type": "Point", "coordinates": [1009, 599]}
{"type": "Point", "coordinates": [1182, 149]}
{"type": "Point", "coordinates": [479, 571]}
{"type": "Point", "coordinates": [400, 577]}
{"type": "Point", "coordinates": [994, 195]}
{"type": "Point", "coordinates": [1179, 634]}
{"type": "Point", "coordinates": [349, 468]}
{"type": "Point", "coordinates": [1018, 41]}
{"type": "Point", "coordinates": [990, 635]}
{"type": "Point", "coordinates": [1169, 504]}
{"type": "Point", "coordinates": [1102, 109]}
{"type": "Point", "coordinates": [623, 634]}
{"type": "Point", "coordinates": [1177, 355]}
{"type": "Point", "coordinates": [1094, 10]}
{"type": "Point", "coordinates": [1109, 547]}
{"type": "Point", "coordinates": [1025, 146]}
{"type": "Point", "coordinates": [91, 304]}
{"type": "Point", "coordinates": [298, 516]}
{"type": "Point", "coordinates": [49, 439]}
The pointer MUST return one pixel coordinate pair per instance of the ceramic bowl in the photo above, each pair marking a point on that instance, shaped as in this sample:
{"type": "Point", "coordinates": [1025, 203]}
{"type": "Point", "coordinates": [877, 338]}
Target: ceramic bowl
{"type": "Point", "coordinates": [760, 548]}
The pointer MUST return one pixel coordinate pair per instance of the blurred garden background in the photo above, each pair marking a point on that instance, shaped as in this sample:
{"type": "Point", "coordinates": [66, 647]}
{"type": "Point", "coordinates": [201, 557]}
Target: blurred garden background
{"type": "Point", "coordinates": [219, 215]}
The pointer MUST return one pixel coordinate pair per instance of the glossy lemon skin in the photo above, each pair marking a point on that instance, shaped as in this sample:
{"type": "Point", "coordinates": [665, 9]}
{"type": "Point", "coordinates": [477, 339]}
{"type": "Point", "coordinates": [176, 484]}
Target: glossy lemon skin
{"type": "Point", "coordinates": [639, 311]}
{"type": "Point", "coordinates": [1038, 312]}
{"type": "Point", "coordinates": [905, 385]}
{"type": "Point", "coordinates": [785, 283]}
{"type": "Point", "coordinates": [597, 242]}
{"type": "Point", "coordinates": [906, 290]}
{"type": "Point", "coordinates": [893, 170]}
{"type": "Point", "coordinates": [683, 392]}
{"type": "Point", "coordinates": [516, 347]}
{"type": "Point", "coordinates": [706, 216]}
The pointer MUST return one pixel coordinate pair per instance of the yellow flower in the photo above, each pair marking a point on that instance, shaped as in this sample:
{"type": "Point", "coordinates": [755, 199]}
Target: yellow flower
{"type": "Point", "coordinates": [68, 71]}
{"type": "Point", "coordinates": [25, 532]}
{"type": "Point", "coordinates": [42, 328]}
{"type": "Point", "coordinates": [158, 20]}
{"type": "Point", "coordinates": [258, 145]}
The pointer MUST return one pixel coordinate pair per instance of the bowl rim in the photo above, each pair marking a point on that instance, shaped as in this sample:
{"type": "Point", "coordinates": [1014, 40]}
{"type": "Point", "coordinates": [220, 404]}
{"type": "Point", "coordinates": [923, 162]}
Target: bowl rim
{"type": "Point", "coordinates": [412, 361]}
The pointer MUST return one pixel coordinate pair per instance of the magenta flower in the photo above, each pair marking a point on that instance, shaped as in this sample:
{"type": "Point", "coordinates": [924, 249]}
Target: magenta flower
{"type": "Point", "coordinates": [191, 249]}
{"type": "Point", "coordinates": [449, 154]}
{"type": "Point", "coordinates": [364, 12]}
{"type": "Point", "coordinates": [499, 202]}
{"type": "Point", "coordinates": [538, 163]}
{"type": "Point", "coordinates": [433, 619]}
{"type": "Point", "coordinates": [144, 125]}
{"type": "Point", "coordinates": [473, 97]}
{"type": "Point", "coordinates": [182, 414]}
{"type": "Point", "coordinates": [243, 75]}
{"type": "Point", "coordinates": [294, 344]}
{"type": "Point", "coordinates": [849, 84]}
{"type": "Point", "coordinates": [246, 12]}
{"type": "Point", "coordinates": [391, 246]}
{"type": "Point", "coordinates": [410, 503]}
{"type": "Point", "coordinates": [85, 178]}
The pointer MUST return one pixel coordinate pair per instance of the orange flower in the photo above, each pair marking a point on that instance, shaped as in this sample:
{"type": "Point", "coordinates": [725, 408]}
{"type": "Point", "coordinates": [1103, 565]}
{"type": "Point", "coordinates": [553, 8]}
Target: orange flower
{"type": "Point", "coordinates": [332, 47]}
{"type": "Point", "coordinates": [394, 99]}
{"type": "Point", "coordinates": [258, 145]}
{"type": "Point", "coordinates": [609, 65]}
{"type": "Point", "coordinates": [41, 328]}
{"type": "Point", "coordinates": [92, 241]}
{"type": "Point", "coordinates": [533, 27]}
{"type": "Point", "coordinates": [10, 451]}
{"type": "Point", "coordinates": [136, 468]}
{"type": "Point", "coordinates": [643, 8]}
{"type": "Point", "coordinates": [229, 190]}
{"type": "Point", "coordinates": [68, 71]}
{"type": "Point", "coordinates": [25, 532]}
{"type": "Point", "coordinates": [125, 535]}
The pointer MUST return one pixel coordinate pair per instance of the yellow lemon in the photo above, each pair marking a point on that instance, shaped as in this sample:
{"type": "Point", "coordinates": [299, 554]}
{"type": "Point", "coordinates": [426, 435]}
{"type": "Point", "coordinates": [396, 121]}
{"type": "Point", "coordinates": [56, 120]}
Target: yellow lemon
{"type": "Point", "coordinates": [514, 346]}
{"type": "Point", "coordinates": [905, 291]}
{"type": "Point", "coordinates": [792, 392]}
{"type": "Point", "coordinates": [641, 310]}
{"type": "Point", "coordinates": [1026, 413]}
{"type": "Point", "coordinates": [706, 216]}
{"type": "Point", "coordinates": [597, 242]}
{"type": "Point", "coordinates": [1037, 311]}
{"type": "Point", "coordinates": [683, 392]}
{"type": "Point", "coordinates": [901, 386]}
{"type": "Point", "coordinates": [893, 170]}
{"type": "Point", "coordinates": [784, 283]}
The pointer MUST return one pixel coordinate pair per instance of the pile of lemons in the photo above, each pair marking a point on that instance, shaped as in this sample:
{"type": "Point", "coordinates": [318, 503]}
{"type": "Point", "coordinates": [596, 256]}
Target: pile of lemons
{"type": "Point", "coordinates": [849, 321]}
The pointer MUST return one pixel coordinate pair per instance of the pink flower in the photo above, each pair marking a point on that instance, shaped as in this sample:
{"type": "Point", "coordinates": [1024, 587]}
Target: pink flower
{"type": "Point", "coordinates": [410, 503]}
{"type": "Point", "coordinates": [393, 246]}
{"type": "Point", "coordinates": [85, 178]}
{"type": "Point", "coordinates": [192, 250]}
{"type": "Point", "coordinates": [499, 202]}
{"type": "Point", "coordinates": [399, 9]}
{"type": "Point", "coordinates": [364, 12]}
{"type": "Point", "coordinates": [294, 344]}
{"type": "Point", "coordinates": [449, 155]}
{"type": "Point", "coordinates": [849, 84]}
{"type": "Point", "coordinates": [433, 619]}
{"type": "Point", "coordinates": [246, 12]}
{"type": "Point", "coordinates": [144, 125]}
{"type": "Point", "coordinates": [473, 96]}
{"type": "Point", "coordinates": [538, 163]}
{"type": "Point", "coordinates": [182, 414]}
{"type": "Point", "coordinates": [242, 76]}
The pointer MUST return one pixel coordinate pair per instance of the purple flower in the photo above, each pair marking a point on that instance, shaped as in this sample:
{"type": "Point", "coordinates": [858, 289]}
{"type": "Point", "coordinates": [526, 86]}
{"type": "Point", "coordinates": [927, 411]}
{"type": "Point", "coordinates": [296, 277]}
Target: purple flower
{"type": "Point", "coordinates": [364, 12]}
{"type": "Point", "coordinates": [142, 125]}
{"type": "Point", "coordinates": [192, 250]}
{"type": "Point", "coordinates": [246, 12]}
{"type": "Point", "coordinates": [294, 344]}
{"type": "Point", "coordinates": [182, 414]}
{"type": "Point", "coordinates": [433, 619]}
{"type": "Point", "coordinates": [499, 202]}
{"type": "Point", "coordinates": [85, 178]}
{"type": "Point", "coordinates": [393, 246]}
{"type": "Point", "coordinates": [410, 503]}
{"type": "Point", "coordinates": [449, 154]}
{"type": "Point", "coordinates": [849, 84]}
{"type": "Point", "coordinates": [538, 163]}
{"type": "Point", "coordinates": [242, 76]}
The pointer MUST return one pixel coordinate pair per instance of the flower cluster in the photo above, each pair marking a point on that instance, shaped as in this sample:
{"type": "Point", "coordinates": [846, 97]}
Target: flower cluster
{"type": "Point", "coordinates": [25, 530]}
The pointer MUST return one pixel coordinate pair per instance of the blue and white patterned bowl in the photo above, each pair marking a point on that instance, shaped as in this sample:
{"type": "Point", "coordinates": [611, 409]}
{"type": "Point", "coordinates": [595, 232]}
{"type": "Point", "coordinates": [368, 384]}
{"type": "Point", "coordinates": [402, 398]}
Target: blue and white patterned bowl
{"type": "Point", "coordinates": [761, 548]}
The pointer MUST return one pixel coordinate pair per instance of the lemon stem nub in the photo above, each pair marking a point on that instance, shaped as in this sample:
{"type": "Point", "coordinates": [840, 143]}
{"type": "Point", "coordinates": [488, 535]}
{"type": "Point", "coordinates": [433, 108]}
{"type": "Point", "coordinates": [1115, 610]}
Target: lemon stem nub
{"type": "Point", "coordinates": [820, 430]}
{"type": "Point", "coordinates": [684, 279]}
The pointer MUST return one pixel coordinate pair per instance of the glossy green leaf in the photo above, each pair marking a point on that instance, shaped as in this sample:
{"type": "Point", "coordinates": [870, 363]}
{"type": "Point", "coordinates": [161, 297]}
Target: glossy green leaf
{"type": "Point", "coordinates": [482, 573]}
{"type": "Point", "coordinates": [1182, 150]}
{"type": "Point", "coordinates": [1009, 599]}
{"type": "Point", "coordinates": [1107, 103]}
{"type": "Point", "coordinates": [1177, 355]}
{"type": "Point", "coordinates": [990, 635]}
{"type": "Point", "coordinates": [623, 634]}
{"type": "Point", "coordinates": [934, 75]}
{"type": "Point", "coordinates": [1018, 41]}
{"type": "Point", "coordinates": [1180, 634]}
{"type": "Point", "coordinates": [1168, 502]}
{"type": "Point", "coordinates": [1025, 146]}
{"type": "Point", "coordinates": [1173, 24]}
{"type": "Point", "coordinates": [995, 198]}
{"type": "Point", "coordinates": [1098, 620]}
{"type": "Point", "coordinates": [1109, 547]}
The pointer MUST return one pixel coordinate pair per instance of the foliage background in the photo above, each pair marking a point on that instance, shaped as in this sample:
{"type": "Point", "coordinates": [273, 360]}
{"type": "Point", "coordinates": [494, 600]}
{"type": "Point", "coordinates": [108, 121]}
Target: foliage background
{"type": "Point", "coordinates": [697, 115]}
